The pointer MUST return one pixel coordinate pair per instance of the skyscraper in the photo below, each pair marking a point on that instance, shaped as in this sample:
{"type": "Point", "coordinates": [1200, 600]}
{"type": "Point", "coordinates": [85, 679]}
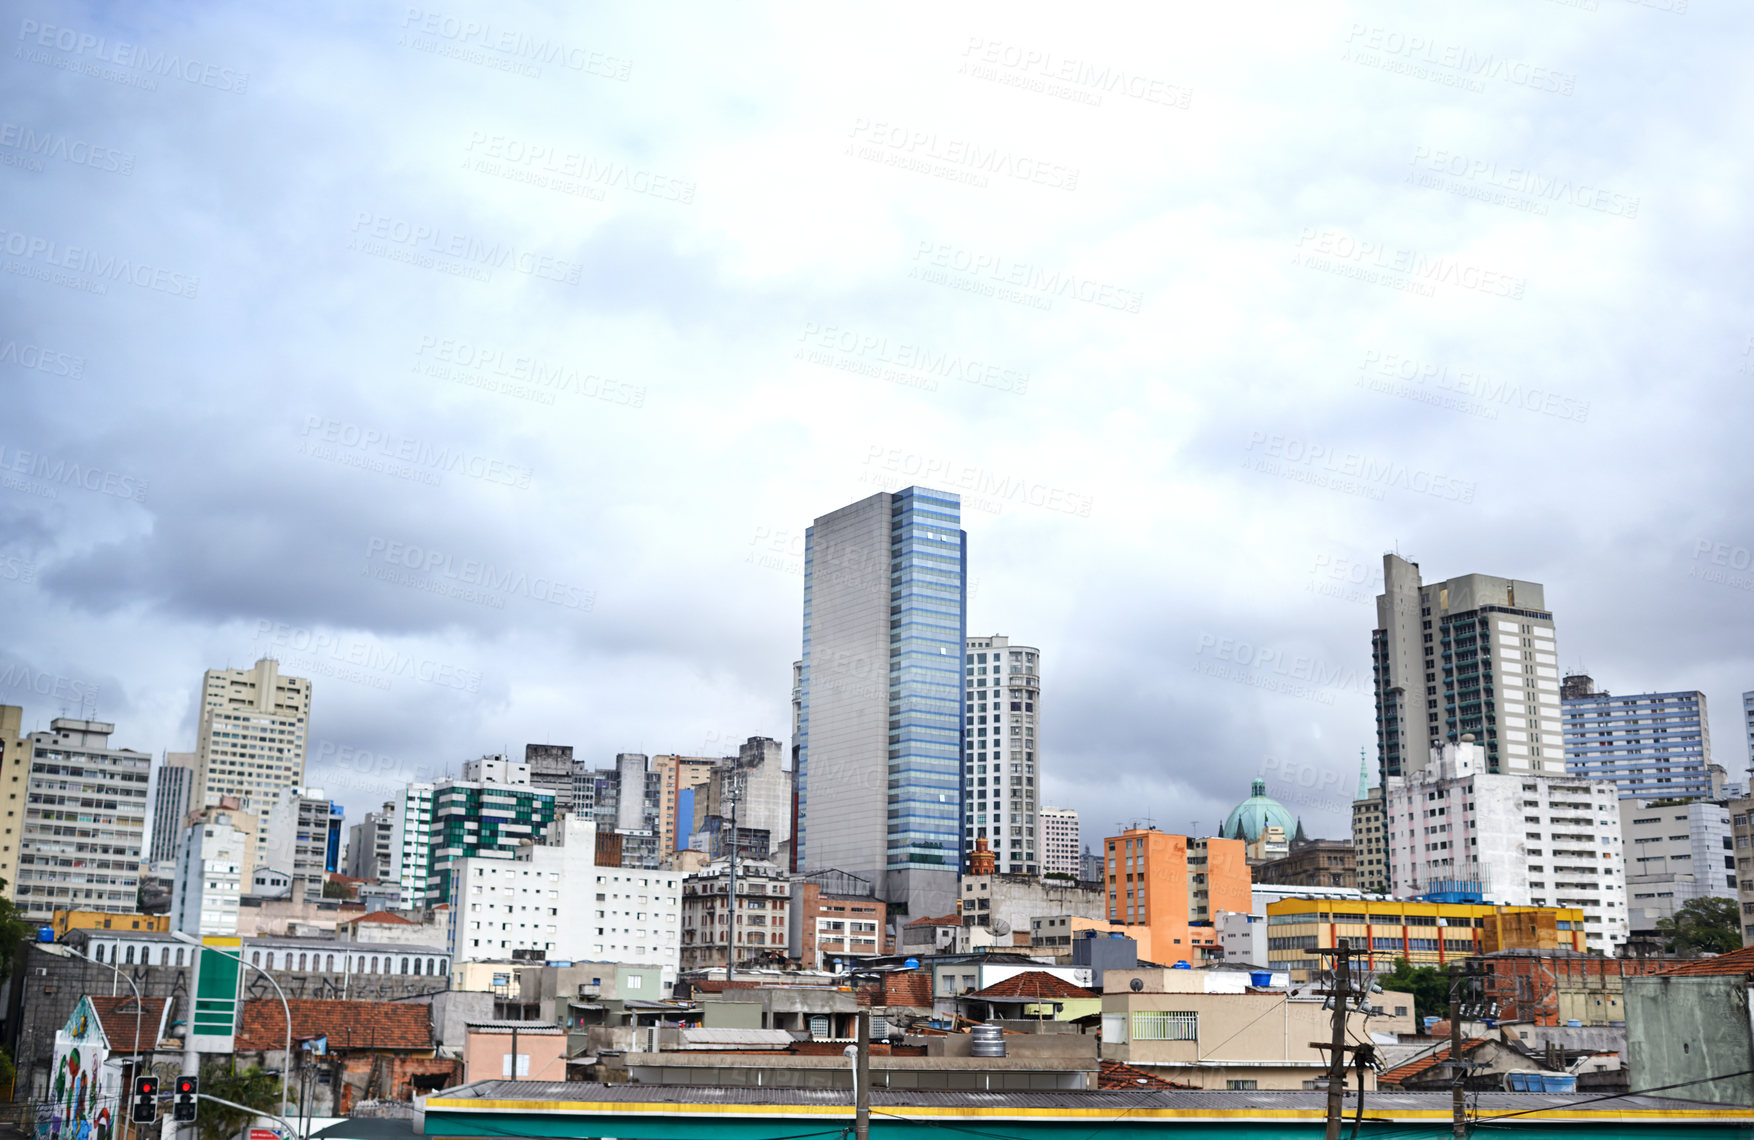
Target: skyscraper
{"type": "Point", "coordinates": [880, 704]}
{"type": "Point", "coordinates": [1651, 745]}
{"type": "Point", "coordinates": [170, 807]}
{"type": "Point", "coordinates": [251, 742]}
{"type": "Point", "coordinates": [999, 734]}
{"type": "Point", "coordinates": [1473, 654]}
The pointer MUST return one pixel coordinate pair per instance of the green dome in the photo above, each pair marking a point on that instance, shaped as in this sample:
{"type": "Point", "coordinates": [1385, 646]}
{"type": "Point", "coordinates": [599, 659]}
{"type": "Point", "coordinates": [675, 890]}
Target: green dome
{"type": "Point", "coordinates": [1260, 811]}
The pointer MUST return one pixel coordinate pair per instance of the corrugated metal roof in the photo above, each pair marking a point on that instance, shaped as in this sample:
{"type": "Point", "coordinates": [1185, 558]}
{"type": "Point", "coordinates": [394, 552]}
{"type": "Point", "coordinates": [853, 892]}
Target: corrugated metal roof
{"type": "Point", "coordinates": [704, 1036]}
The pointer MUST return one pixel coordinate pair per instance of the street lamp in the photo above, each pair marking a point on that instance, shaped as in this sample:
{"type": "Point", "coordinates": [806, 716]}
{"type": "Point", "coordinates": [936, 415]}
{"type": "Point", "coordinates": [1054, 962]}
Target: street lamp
{"type": "Point", "coordinates": [286, 1066]}
{"type": "Point", "coordinates": [62, 950]}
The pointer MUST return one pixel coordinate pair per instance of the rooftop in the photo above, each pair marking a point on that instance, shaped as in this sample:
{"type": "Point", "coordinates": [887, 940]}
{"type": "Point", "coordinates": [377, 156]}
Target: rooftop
{"type": "Point", "coordinates": [1032, 985]}
{"type": "Point", "coordinates": [1735, 962]}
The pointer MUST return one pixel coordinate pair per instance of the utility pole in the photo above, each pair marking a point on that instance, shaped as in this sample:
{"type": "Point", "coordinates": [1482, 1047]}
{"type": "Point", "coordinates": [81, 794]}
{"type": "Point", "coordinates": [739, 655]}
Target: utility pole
{"type": "Point", "coordinates": [1341, 993]}
{"type": "Point", "coordinates": [1458, 1106]}
{"type": "Point", "coordinates": [862, 1079]}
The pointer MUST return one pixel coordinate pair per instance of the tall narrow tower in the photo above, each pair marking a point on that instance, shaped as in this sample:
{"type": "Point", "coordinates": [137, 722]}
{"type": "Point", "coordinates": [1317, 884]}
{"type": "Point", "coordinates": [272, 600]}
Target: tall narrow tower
{"type": "Point", "coordinates": [880, 693]}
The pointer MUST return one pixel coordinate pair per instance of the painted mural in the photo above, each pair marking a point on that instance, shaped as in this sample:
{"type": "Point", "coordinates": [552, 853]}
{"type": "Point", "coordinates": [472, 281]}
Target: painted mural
{"type": "Point", "coordinates": [85, 1087]}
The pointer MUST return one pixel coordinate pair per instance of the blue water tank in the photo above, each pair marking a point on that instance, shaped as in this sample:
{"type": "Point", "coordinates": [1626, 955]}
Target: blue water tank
{"type": "Point", "coordinates": [1182, 965]}
{"type": "Point", "coordinates": [1260, 977]}
{"type": "Point", "coordinates": [1116, 934]}
{"type": "Point", "coordinates": [45, 934]}
{"type": "Point", "coordinates": [912, 963]}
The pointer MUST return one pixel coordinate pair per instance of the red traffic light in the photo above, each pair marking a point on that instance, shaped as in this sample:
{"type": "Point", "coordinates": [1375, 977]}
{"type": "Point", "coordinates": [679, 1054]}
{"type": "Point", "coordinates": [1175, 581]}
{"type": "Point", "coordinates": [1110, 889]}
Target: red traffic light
{"type": "Point", "coordinates": [146, 1086]}
{"type": "Point", "coordinates": [185, 1086]}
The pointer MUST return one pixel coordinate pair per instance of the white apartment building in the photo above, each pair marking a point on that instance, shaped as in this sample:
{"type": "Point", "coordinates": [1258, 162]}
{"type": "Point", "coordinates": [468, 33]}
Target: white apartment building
{"type": "Point", "coordinates": [302, 826]}
{"type": "Point", "coordinates": [251, 738]}
{"type": "Point", "coordinates": [84, 811]}
{"type": "Point", "coordinates": [1517, 839]}
{"type": "Point", "coordinates": [1001, 717]}
{"type": "Point", "coordinates": [411, 843]}
{"type": "Point", "coordinates": [1060, 841]}
{"type": "Point", "coordinates": [1473, 655]}
{"type": "Point", "coordinates": [496, 768]}
{"type": "Point", "coordinates": [210, 869]}
{"type": "Point", "coordinates": [1675, 852]}
{"type": "Point", "coordinates": [557, 900]}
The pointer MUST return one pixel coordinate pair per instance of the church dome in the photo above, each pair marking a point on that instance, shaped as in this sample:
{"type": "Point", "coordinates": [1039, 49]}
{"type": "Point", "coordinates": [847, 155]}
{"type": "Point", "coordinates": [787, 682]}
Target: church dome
{"type": "Point", "coordinates": [1249, 818]}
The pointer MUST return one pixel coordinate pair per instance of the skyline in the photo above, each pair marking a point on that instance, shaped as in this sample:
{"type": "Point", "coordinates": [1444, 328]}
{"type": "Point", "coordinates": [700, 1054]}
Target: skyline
{"type": "Point", "coordinates": [504, 388]}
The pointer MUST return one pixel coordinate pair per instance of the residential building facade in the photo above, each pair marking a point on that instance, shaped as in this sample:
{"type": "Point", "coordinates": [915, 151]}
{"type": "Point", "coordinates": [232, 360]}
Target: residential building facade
{"type": "Point", "coordinates": [1313, 863]}
{"type": "Point", "coordinates": [1742, 833]}
{"type": "Point", "coordinates": [1004, 702]}
{"type": "Point", "coordinates": [834, 916]}
{"type": "Point", "coordinates": [369, 844]}
{"type": "Point", "coordinates": [1060, 842]}
{"type": "Point", "coordinates": [304, 839]}
{"type": "Point", "coordinates": [481, 821]}
{"type": "Point", "coordinates": [762, 909]}
{"type": "Point", "coordinates": [551, 770]}
{"type": "Point", "coordinates": [1651, 745]}
{"type": "Point", "coordinates": [880, 792]}
{"type": "Point", "coordinates": [251, 738]}
{"type": "Point", "coordinates": [1676, 850]}
{"type": "Point", "coordinates": [1471, 655]}
{"type": "Point", "coordinates": [1458, 832]}
{"type": "Point", "coordinates": [1170, 884]}
{"type": "Point", "coordinates": [411, 843]}
{"type": "Point", "coordinates": [211, 869]}
{"type": "Point", "coordinates": [14, 776]}
{"type": "Point", "coordinates": [681, 784]}
{"type": "Point", "coordinates": [84, 822]}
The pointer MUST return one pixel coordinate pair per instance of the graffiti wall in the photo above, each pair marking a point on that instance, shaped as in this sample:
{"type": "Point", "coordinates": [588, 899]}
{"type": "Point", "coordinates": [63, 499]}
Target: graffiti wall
{"type": "Point", "coordinates": [85, 1088]}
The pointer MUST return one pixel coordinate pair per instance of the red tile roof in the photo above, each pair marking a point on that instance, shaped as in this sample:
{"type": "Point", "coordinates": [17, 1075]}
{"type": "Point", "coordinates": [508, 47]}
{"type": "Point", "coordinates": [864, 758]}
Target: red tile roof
{"type": "Point", "coordinates": [947, 920]}
{"type": "Point", "coordinates": [383, 916]}
{"type": "Point", "coordinates": [116, 1016]}
{"type": "Point", "coordinates": [1036, 985]}
{"type": "Point", "coordinates": [1735, 962]}
{"type": "Point", "coordinates": [1414, 1068]}
{"type": "Point", "coordinates": [1119, 1075]}
{"type": "Point", "coordinates": [393, 1025]}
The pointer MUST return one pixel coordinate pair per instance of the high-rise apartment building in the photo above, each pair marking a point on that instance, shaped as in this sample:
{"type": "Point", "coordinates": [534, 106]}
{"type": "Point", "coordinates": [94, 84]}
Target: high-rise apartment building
{"type": "Point", "coordinates": [1748, 728]}
{"type": "Point", "coordinates": [1652, 745]}
{"type": "Point", "coordinates": [880, 705]}
{"type": "Point", "coordinates": [212, 868]}
{"type": "Point", "coordinates": [758, 782]}
{"type": "Point", "coordinates": [551, 770]}
{"type": "Point", "coordinates": [411, 843]}
{"type": "Point", "coordinates": [481, 821]}
{"type": "Point", "coordinates": [1060, 841]}
{"type": "Point", "coordinates": [624, 802]}
{"type": "Point", "coordinates": [1675, 852]}
{"type": "Point", "coordinates": [1001, 704]}
{"type": "Point", "coordinates": [681, 784]}
{"type": "Point", "coordinates": [304, 839]}
{"type": "Point", "coordinates": [1471, 655]}
{"type": "Point", "coordinates": [171, 800]}
{"type": "Point", "coordinates": [84, 821]}
{"type": "Point", "coordinates": [251, 738]}
{"type": "Point", "coordinates": [1458, 832]}
{"type": "Point", "coordinates": [14, 776]}
{"type": "Point", "coordinates": [762, 915]}
{"type": "Point", "coordinates": [1170, 883]}
{"type": "Point", "coordinates": [369, 845]}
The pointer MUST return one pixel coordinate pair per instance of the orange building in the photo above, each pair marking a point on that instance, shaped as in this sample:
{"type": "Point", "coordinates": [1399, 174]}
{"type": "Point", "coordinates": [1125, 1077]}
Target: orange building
{"type": "Point", "coordinates": [1168, 888]}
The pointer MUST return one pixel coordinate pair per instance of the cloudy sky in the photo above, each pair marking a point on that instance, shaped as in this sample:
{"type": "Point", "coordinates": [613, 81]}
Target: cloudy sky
{"type": "Point", "coordinates": [486, 364]}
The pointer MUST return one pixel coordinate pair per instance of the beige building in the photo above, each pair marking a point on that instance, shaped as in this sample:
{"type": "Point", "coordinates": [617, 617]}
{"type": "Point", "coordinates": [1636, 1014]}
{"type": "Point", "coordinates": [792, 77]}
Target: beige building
{"type": "Point", "coordinates": [14, 770]}
{"type": "Point", "coordinates": [1369, 841]}
{"type": "Point", "coordinates": [1212, 1029]}
{"type": "Point", "coordinates": [254, 725]}
{"type": "Point", "coordinates": [676, 776]}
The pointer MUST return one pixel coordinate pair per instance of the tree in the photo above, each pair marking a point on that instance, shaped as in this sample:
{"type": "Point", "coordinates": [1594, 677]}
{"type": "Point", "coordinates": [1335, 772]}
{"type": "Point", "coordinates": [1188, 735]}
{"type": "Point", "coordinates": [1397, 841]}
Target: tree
{"type": "Point", "coordinates": [251, 1086]}
{"type": "Point", "coordinates": [1708, 925]}
{"type": "Point", "coordinates": [1428, 985]}
{"type": "Point", "coordinates": [13, 930]}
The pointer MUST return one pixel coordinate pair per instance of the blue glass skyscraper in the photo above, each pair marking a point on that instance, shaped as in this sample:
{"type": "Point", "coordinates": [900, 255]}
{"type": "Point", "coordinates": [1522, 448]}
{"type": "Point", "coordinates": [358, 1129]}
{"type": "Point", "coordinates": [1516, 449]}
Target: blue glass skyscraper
{"type": "Point", "coordinates": [880, 710]}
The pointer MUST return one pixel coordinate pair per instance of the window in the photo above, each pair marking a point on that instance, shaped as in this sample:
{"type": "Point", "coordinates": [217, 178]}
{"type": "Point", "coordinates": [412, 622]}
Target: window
{"type": "Point", "coordinates": [1165, 1025]}
{"type": "Point", "coordinates": [1235, 1083]}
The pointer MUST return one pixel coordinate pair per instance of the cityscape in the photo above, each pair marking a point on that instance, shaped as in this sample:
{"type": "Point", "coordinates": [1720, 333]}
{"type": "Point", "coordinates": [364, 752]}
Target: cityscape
{"type": "Point", "coordinates": [778, 572]}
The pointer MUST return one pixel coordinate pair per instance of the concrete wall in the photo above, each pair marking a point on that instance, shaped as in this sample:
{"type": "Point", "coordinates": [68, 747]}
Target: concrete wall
{"type": "Point", "coordinates": [786, 1070]}
{"type": "Point", "coordinates": [453, 1008]}
{"type": "Point", "coordinates": [1680, 1029]}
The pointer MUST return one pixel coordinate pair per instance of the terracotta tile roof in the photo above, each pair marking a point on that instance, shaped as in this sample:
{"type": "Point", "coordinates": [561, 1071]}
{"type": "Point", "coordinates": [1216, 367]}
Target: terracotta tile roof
{"type": "Point", "coordinates": [947, 920]}
{"type": "Point", "coordinates": [1037, 985]}
{"type": "Point", "coordinates": [383, 916]}
{"type": "Point", "coordinates": [1424, 1064]}
{"type": "Point", "coordinates": [1119, 1075]}
{"type": "Point", "coordinates": [1735, 962]}
{"type": "Point", "coordinates": [394, 1025]}
{"type": "Point", "coordinates": [116, 1016]}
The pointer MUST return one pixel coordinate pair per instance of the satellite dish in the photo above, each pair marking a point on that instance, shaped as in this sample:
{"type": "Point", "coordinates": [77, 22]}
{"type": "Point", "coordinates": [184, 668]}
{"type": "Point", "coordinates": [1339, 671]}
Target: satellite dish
{"type": "Point", "coordinates": [1136, 985]}
{"type": "Point", "coordinates": [1001, 927]}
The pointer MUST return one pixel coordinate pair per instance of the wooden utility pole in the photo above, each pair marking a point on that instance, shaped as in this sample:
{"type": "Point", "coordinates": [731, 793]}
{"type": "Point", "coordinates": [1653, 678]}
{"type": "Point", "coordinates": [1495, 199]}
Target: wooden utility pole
{"type": "Point", "coordinates": [862, 1079]}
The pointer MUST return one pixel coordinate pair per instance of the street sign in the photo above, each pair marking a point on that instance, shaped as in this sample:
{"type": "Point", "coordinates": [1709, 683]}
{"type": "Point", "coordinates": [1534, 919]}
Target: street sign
{"type": "Point", "coordinates": [214, 1026]}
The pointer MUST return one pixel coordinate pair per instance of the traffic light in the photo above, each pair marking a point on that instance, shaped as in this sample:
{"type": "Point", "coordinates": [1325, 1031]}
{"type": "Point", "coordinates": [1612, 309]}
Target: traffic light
{"type": "Point", "coordinates": [145, 1100]}
{"type": "Point", "coordinates": [183, 1107]}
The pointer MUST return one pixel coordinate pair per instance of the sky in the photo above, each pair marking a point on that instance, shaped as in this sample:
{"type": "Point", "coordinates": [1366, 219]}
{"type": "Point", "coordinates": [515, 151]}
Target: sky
{"type": "Point", "coordinates": [485, 364]}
